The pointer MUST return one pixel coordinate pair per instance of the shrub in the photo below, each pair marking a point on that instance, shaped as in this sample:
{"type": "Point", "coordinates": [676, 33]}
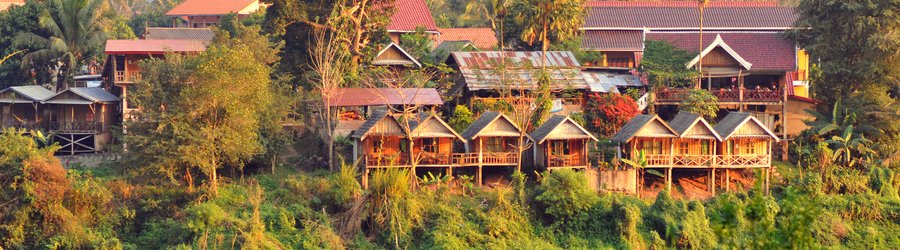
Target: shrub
{"type": "Point", "coordinates": [461, 119]}
{"type": "Point", "coordinates": [700, 102]}
{"type": "Point", "coordinates": [606, 113]}
{"type": "Point", "coordinates": [565, 195]}
{"type": "Point", "coordinates": [394, 210]}
{"type": "Point", "coordinates": [696, 232]}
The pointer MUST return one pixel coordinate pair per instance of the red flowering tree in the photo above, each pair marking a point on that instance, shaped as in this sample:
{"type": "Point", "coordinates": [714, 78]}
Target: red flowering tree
{"type": "Point", "coordinates": [606, 113]}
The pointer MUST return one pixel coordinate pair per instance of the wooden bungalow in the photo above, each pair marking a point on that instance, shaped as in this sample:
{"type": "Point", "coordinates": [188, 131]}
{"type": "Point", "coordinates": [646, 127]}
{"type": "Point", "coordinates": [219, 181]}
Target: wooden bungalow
{"type": "Point", "coordinates": [696, 143]}
{"type": "Point", "coordinates": [395, 58]}
{"type": "Point", "coordinates": [80, 118]}
{"type": "Point", "coordinates": [491, 141]}
{"type": "Point", "coordinates": [561, 143]}
{"type": "Point", "coordinates": [650, 136]}
{"type": "Point", "coordinates": [746, 143]}
{"type": "Point", "coordinates": [21, 106]}
{"type": "Point", "coordinates": [382, 142]}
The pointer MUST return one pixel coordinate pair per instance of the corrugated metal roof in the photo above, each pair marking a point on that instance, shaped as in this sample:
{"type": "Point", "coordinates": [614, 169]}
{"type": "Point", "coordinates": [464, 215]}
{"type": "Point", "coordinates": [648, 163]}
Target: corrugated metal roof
{"type": "Point", "coordinates": [422, 118]}
{"type": "Point", "coordinates": [545, 130]}
{"type": "Point", "coordinates": [764, 50]}
{"type": "Point", "coordinates": [32, 93]}
{"type": "Point", "coordinates": [165, 33]}
{"type": "Point", "coordinates": [370, 123]}
{"type": "Point", "coordinates": [480, 72]}
{"type": "Point", "coordinates": [210, 7]}
{"type": "Point", "coordinates": [631, 128]}
{"type": "Point", "coordinates": [683, 121]}
{"type": "Point", "coordinates": [350, 97]}
{"type": "Point", "coordinates": [613, 40]}
{"type": "Point", "coordinates": [735, 120]}
{"type": "Point", "coordinates": [605, 82]}
{"type": "Point", "coordinates": [482, 38]}
{"type": "Point", "coordinates": [485, 120]}
{"type": "Point", "coordinates": [641, 16]}
{"type": "Point", "coordinates": [90, 95]}
{"type": "Point", "coordinates": [154, 46]}
{"type": "Point", "coordinates": [409, 14]}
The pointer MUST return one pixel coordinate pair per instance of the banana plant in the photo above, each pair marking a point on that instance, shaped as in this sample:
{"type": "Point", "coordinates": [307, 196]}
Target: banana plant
{"type": "Point", "coordinates": [640, 162]}
{"type": "Point", "coordinates": [846, 144]}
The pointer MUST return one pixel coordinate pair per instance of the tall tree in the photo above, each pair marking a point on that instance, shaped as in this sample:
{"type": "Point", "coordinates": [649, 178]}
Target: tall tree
{"type": "Point", "coordinates": [13, 21]}
{"type": "Point", "coordinates": [75, 34]}
{"type": "Point", "coordinates": [543, 20]}
{"type": "Point", "coordinates": [855, 45]}
{"type": "Point", "coordinates": [492, 10]}
{"type": "Point", "coordinates": [701, 4]}
{"type": "Point", "coordinates": [328, 59]}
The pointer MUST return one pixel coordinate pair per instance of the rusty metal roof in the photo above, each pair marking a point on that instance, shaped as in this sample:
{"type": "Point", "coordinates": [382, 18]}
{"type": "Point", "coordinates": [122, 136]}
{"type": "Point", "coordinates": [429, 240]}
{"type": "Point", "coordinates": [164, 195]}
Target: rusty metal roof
{"type": "Point", "coordinates": [669, 15]}
{"type": "Point", "coordinates": [166, 33]}
{"type": "Point", "coordinates": [154, 46]}
{"type": "Point", "coordinates": [350, 97]}
{"type": "Point", "coordinates": [480, 71]}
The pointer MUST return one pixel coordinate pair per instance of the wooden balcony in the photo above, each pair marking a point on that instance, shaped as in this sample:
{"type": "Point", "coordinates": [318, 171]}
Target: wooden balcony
{"type": "Point", "coordinates": [560, 161]}
{"type": "Point", "coordinates": [454, 160]}
{"type": "Point", "coordinates": [76, 127]}
{"type": "Point", "coordinates": [727, 96]}
{"type": "Point", "coordinates": [708, 161]}
{"type": "Point", "coordinates": [122, 76]}
{"type": "Point", "coordinates": [28, 125]}
{"type": "Point", "coordinates": [381, 160]}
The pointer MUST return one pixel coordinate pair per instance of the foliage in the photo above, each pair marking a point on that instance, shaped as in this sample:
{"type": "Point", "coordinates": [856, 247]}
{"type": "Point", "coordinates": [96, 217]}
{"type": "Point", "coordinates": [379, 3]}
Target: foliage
{"type": "Point", "coordinates": [573, 45]}
{"type": "Point", "coordinates": [700, 102]}
{"type": "Point", "coordinates": [665, 65]}
{"type": "Point", "coordinates": [15, 20]}
{"type": "Point", "coordinates": [419, 44]}
{"type": "Point", "coordinates": [607, 113]}
{"type": "Point", "coordinates": [547, 21]}
{"type": "Point", "coordinates": [848, 146]}
{"type": "Point", "coordinates": [461, 118]}
{"type": "Point", "coordinates": [837, 120]}
{"type": "Point", "coordinates": [393, 209]}
{"type": "Point", "coordinates": [566, 196]}
{"type": "Point", "coordinates": [73, 33]}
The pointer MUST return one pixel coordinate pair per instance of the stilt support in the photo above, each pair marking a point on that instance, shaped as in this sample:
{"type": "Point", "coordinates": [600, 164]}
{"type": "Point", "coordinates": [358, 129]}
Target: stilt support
{"type": "Point", "coordinates": [480, 176]}
{"type": "Point", "coordinates": [727, 180]}
{"type": "Point", "coordinates": [669, 179]}
{"type": "Point", "coordinates": [768, 172]}
{"type": "Point", "coordinates": [365, 178]}
{"type": "Point", "coordinates": [712, 181]}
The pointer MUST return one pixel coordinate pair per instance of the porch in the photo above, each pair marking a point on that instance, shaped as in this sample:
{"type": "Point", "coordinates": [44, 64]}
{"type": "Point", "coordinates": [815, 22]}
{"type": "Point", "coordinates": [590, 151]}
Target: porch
{"type": "Point", "coordinates": [708, 161]}
{"type": "Point", "coordinates": [755, 96]}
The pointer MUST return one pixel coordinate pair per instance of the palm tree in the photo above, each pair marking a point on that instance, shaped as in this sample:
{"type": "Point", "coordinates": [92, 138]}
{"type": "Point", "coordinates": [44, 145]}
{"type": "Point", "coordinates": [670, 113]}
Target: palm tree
{"type": "Point", "coordinates": [7, 57]}
{"type": "Point", "coordinates": [700, 5]}
{"type": "Point", "coordinates": [839, 119]}
{"type": "Point", "coordinates": [492, 10]}
{"type": "Point", "coordinates": [539, 17]}
{"type": "Point", "coordinates": [74, 28]}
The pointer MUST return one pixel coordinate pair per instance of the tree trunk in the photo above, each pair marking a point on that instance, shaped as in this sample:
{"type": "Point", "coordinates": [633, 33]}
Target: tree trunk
{"type": "Point", "coordinates": [331, 165]}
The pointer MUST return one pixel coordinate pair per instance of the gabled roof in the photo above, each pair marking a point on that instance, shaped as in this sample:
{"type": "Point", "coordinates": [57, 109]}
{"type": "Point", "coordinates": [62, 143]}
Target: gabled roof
{"type": "Point", "coordinates": [636, 125]}
{"type": "Point", "coordinates": [410, 14]}
{"type": "Point", "coordinates": [545, 131]}
{"type": "Point", "coordinates": [442, 52]}
{"type": "Point", "coordinates": [479, 69]}
{"type": "Point", "coordinates": [482, 38]}
{"type": "Point", "coordinates": [484, 121]}
{"type": "Point", "coordinates": [393, 54]}
{"type": "Point", "coordinates": [166, 33]}
{"type": "Point", "coordinates": [87, 95]}
{"type": "Point", "coordinates": [213, 7]}
{"type": "Point", "coordinates": [685, 121]}
{"type": "Point", "coordinates": [376, 117]}
{"type": "Point", "coordinates": [357, 97]}
{"type": "Point", "coordinates": [734, 122]}
{"type": "Point", "coordinates": [719, 43]}
{"type": "Point", "coordinates": [605, 82]}
{"type": "Point", "coordinates": [671, 15]}
{"type": "Point", "coordinates": [420, 126]}
{"type": "Point", "coordinates": [154, 47]}
{"type": "Point", "coordinates": [613, 40]}
{"type": "Point", "coordinates": [26, 94]}
{"type": "Point", "coordinates": [767, 51]}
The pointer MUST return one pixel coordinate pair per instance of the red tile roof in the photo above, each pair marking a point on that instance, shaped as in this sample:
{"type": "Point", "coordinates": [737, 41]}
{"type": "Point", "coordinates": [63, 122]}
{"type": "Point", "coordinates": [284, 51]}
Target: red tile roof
{"type": "Point", "coordinates": [678, 15]}
{"type": "Point", "coordinates": [482, 38]}
{"type": "Point", "coordinates": [153, 46]}
{"type": "Point", "coordinates": [409, 14]}
{"type": "Point", "coordinates": [767, 51]}
{"type": "Point", "coordinates": [613, 40]}
{"type": "Point", "coordinates": [354, 97]}
{"type": "Point", "coordinates": [209, 7]}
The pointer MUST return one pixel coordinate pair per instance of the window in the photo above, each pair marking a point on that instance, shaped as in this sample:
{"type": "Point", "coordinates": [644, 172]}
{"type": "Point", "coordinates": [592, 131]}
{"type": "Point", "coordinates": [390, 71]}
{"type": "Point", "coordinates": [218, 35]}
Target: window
{"type": "Point", "coordinates": [704, 147]}
{"type": "Point", "coordinates": [377, 146]}
{"type": "Point", "coordinates": [729, 147]}
{"type": "Point", "coordinates": [430, 145]}
{"type": "Point", "coordinates": [684, 148]}
{"type": "Point", "coordinates": [560, 148]}
{"type": "Point", "coordinates": [749, 148]}
{"type": "Point", "coordinates": [493, 144]}
{"type": "Point", "coordinates": [652, 147]}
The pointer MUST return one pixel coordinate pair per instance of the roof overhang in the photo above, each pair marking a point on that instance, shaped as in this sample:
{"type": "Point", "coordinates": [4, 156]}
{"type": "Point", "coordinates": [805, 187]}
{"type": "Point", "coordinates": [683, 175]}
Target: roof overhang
{"type": "Point", "coordinates": [721, 44]}
{"type": "Point", "coordinates": [411, 58]}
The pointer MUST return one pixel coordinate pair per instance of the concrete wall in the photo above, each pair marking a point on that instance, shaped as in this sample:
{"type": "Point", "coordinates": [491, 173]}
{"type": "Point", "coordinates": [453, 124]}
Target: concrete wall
{"type": "Point", "coordinates": [617, 181]}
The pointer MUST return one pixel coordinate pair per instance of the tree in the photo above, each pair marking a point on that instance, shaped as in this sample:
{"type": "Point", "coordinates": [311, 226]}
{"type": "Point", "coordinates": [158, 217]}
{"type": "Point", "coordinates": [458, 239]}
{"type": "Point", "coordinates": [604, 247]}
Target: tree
{"type": "Point", "coordinates": [847, 144]}
{"type": "Point", "coordinates": [837, 120]}
{"type": "Point", "coordinates": [700, 102]}
{"type": "Point", "coordinates": [15, 20]}
{"type": "Point", "coordinates": [461, 118]}
{"type": "Point", "coordinates": [539, 18]}
{"type": "Point", "coordinates": [75, 34]}
{"type": "Point", "coordinates": [700, 5]}
{"type": "Point", "coordinates": [495, 11]}
{"type": "Point", "coordinates": [665, 65]}
{"type": "Point", "coordinates": [607, 113]}
{"type": "Point", "coordinates": [329, 61]}
{"type": "Point", "coordinates": [202, 112]}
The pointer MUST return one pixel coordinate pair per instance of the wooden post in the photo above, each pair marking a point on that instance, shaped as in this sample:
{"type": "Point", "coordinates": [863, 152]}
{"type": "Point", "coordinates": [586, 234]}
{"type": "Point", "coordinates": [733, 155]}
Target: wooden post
{"type": "Point", "coordinates": [767, 179]}
{"type": "Point", "coordinates": [712, 181]}
{"type": "Point", "coordinates": [784, 145]}
{"type": "Point", "coordinates": [365, 178]}
{"type": "Point", "coordinates": [669, 180]}
{"type": "Point", "coordinates": [450, 171]}
{"type": "Point", "coordinates": [587, 158]}
{"type": "Point", "coordinates": [480, 174]}
{"type": "Point", "coordinates": [741, 91]}
{"type": "Point", "coordinates": [727, 180]}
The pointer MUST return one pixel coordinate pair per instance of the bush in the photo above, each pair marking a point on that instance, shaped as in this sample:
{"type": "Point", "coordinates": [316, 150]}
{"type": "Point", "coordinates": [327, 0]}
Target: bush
{"type": "Point", "coordinates": [565, 196]}
{"type": "Point", "coordinates": [461, 118]}
{"type": "Point", "coordinates": [607, 113]}
{"type": "Point", "coordinates": [700, 102]}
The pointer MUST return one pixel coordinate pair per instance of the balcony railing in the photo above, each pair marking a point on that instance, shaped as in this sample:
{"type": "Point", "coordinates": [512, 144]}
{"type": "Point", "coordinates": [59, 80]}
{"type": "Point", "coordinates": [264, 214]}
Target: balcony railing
{"type": "Point", "coordinates": [566, 161]}
{"type": "Point", "coordinates": [455, 159]}
{"type": "Point", "coordinates": [724, 95]}
{"type": "Point", "coordinates": [122, 76]}
{"type": "Point", "coordinates": [76, 126]}
{"type": "Point", "coordinates": [708, 161]}
{"type": "Point", "coordinates": [383, 160]}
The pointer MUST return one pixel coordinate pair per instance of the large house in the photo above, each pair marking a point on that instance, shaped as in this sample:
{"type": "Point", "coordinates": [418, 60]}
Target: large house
{"type": "Point", "coordinates": [409, 15]}
{"type": "Point", "coordinates": [206, 13]}
{"type": "Point", "coordinates": [747, 60]}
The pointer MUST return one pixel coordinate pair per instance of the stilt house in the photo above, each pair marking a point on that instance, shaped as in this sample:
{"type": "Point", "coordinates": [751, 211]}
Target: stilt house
{"type": "Point", "coordinates": [21, 106]}
{"type": "Point", "coordinates": [492, 141]}
{"type": "Point", "coordinates": [561, 143]}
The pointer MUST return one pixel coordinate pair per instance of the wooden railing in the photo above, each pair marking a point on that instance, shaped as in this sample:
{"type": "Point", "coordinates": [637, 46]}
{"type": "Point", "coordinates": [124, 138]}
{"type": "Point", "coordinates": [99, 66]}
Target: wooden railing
{"type": "Point", "coordinates": [566, 161]}
{"type": "Point", "coordinates": [724, 95]}
{"type": "Point", "coordinates": [708, 160]}
{"type": "Point", "coordinates": [384, 160]}
{"type": "Point", "coordinates": [455, 159]}
{"type": "Point", "coordinates": [76, 126]}
{"type": "Point", "coordinates": [122, 76]}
